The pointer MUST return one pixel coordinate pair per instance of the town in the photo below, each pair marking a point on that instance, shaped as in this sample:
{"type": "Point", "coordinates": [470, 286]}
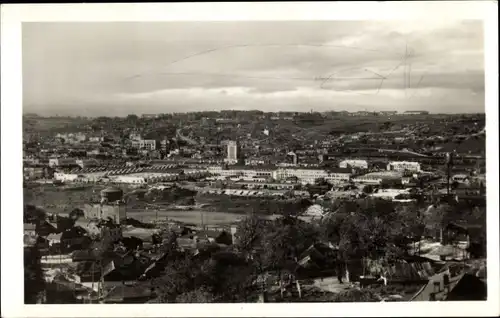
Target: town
{"type": "Point", "coordinates": [252, 206]}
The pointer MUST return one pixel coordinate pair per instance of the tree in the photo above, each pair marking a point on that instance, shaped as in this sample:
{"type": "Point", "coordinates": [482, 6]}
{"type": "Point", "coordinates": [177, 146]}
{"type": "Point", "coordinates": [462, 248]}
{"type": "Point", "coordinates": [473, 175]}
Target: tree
{"type": "Point", "coordinates": [75, 214]}
{"type": "Point", "coordinates": [249, 234]}
{"type": "Point", "coordinates": [34, 283]}
{"type": "Point", "coordinates": [181, 275]}
{"type": "Point", "coordinates": [368, 189]}
{"type": "Point", "coordinates": [33, 214]}
{"type": "Point", "coordinates": [200, 295]}
{"type": "Point", "coordinates": [356, 295]}
{"type": "Point", "coordinates": [229, 278]}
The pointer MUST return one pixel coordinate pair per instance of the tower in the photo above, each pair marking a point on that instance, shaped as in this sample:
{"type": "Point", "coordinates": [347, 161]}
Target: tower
{"type": "Point", "coordinates": [233, 152]}
{"type": "Point", "coordinates": [111, 206]}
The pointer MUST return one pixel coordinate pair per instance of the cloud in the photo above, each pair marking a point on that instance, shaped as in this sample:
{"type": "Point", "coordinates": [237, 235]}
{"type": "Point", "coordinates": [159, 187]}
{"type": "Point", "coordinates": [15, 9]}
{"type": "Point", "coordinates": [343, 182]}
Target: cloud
{"type": "Point", "coordinates": [167, 66]}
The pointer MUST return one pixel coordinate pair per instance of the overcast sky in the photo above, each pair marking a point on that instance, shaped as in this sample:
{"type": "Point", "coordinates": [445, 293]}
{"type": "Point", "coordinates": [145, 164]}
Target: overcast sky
{"type": "Point", "coordinates": [116, 69]}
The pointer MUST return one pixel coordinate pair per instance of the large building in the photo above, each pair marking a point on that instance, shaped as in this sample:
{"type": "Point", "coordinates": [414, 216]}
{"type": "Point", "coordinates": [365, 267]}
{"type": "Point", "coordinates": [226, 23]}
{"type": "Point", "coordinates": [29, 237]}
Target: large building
{"type": "Point", "coordinates": [243, 172]}
{"type": "Point", "coordinates": [309, 176]}
{"type": "Point", "coordinates": [302, 175]}
{"type": "Point", "coordinates": [352, 163]}
{"type": "Point", "coordinates": [377, 178]}
{"type": "Point", "coordinates": [233, 152]}
{"type": "Point", "coordinates": [144, 144]}
{"type": "Point", "coordinates": [403, 166]}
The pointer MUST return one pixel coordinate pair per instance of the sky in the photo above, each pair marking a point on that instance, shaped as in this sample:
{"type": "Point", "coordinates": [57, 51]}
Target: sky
{"type": "Point", "coordinates": [120, 68]}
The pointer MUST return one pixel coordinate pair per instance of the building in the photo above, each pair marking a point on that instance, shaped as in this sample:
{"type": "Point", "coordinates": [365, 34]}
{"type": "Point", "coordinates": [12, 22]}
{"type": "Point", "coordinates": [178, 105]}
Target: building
{"type": "Point", "coordinates": [461, 178]}
{"type": "Point", "coordinates": [243, 172]}
{"type": "Point", "coordinates": [96, 139]}
{"type": "Point", "coordinates": [353, 163]}
{"type": "Point", "coordinates": [37, 171]}
{"type": "Point", "coordinates": [309, 176]}
{"type": "Point", "coordinates": [377, 178]}
{"type": "Point", "coordinates": [135, 136]}
{"type": "Point", "coordinates": [144, 144]}
{"type": "Point", "coordinates": [72, 138]}
{"type": "Point", "coordinates": [112, 206]}
{"type": "Point", "coordinates": [390, 194]}
{"type": "Point", "coordinates": [112, 234]}
{"type": "Point", "coordinates": [62, 162]}
{"type": "Point", "coordinates": [87, 163]}
{"type": "Point", "coordinates": [388, 112]}
{"type": "Point", "coordinates": [403, 166]}
{"type": "Point", "coordinates": [164, 144]}
{"type": "Point", "coordinates": [233, 152]}
{"type": "Point", "coordinates": [294, 157]}
{"type": "Point", "coordinates": [67, 177]}
{"type": "Point", "coordinates": [29, 234]}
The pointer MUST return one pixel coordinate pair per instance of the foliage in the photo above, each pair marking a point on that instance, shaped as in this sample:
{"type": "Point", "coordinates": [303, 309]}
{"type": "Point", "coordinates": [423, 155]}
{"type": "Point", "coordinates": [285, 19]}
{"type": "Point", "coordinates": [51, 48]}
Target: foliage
{"type": "Point", "coordinates": [34, 282]}
{"type": "Point", "coordinates": [33, 214]}
{"type": "Point", "coordinates": [356, 295]}
{"type": "Point", "coordinates": [181, 275]}
{"type": "Point", "coordinates": [200, 295]}
{"type": "Point", "coordinates": [370, 228]}
{"type": "Point", "coordinates": [75, 214]}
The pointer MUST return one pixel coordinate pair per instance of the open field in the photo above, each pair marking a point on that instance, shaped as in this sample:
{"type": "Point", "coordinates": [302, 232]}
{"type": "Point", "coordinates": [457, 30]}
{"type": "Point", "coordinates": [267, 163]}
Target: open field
{"type": "Point", "coordinates": [193, 217]}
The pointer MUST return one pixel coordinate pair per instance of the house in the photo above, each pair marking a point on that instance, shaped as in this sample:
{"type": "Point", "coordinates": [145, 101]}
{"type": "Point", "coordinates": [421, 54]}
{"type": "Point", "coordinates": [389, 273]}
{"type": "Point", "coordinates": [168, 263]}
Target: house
{"type": "Point", "coordinates": [403, 166]}
{"type": "Point", "coordinates": [144, 144]}
{"type": "Point", "coordinates": [29, 234]}
{"type": "Point", "coordinates": [361, 164]}
{"type": "Point", "coordinates": [54, 238]}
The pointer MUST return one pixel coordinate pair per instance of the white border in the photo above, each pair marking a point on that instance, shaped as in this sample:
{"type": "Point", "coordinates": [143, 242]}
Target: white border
{"type": "Point", "coordinates": [12, 269]}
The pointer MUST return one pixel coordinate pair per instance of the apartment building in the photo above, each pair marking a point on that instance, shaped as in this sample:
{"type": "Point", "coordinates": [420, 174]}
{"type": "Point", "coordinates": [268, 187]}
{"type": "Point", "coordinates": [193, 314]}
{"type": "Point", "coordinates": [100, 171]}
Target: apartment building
{"type": "Point", "coordinates": [144, 144]}
{"type": "Point", "coordinates": [353, 163]}
{"type": "Point", "coordinates": [403, 166]}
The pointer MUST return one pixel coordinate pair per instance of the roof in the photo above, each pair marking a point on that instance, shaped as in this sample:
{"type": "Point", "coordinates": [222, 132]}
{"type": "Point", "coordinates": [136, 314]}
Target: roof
{"type": "Point", "coordinates": [55, 237]}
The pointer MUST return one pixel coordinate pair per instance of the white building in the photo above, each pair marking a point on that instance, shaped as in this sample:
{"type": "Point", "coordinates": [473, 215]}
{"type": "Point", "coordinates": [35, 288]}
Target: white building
{"type": "Point", "coordinates": [244, 173]}
{"type": "Point", "coordinates": [144, 144]}
{"type": "Point", "coordinates": [306, 176]}
{"type": "Point", "coordinates": [232, 152]}
{"type": "Point", "coordinates": [67, 177]}
{"type": "Point", "coordinates": [129, 179]}
{"type": "Point", "coordinates": [403, 166]}
{"type": "Point", "coordinates": [390, 194]}
{"type": "Point", "coordinates": [460, 178]}
{"type": "Point", "coordinates": [361, 164]}
{"type": "Point", "coordinates": [376, 178]}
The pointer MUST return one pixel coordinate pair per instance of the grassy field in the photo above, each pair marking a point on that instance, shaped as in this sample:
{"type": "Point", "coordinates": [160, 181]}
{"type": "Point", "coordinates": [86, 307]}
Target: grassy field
{"type": "Point", "coordinates": [59, 200]}
{"type": "Point", "coordinates": [193, 217]}
{"type": "Point", "coordinates": [54, 199]}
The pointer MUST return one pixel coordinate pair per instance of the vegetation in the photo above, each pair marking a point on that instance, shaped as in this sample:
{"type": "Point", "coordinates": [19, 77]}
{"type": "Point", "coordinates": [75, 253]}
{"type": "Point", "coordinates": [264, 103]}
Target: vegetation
{"type": "Point", "coordinates": [34, 283]}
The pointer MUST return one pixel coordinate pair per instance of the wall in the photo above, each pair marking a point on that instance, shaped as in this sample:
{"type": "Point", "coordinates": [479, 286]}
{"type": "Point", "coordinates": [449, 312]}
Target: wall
{"type": "Point", "coordinates": [115, 212]}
